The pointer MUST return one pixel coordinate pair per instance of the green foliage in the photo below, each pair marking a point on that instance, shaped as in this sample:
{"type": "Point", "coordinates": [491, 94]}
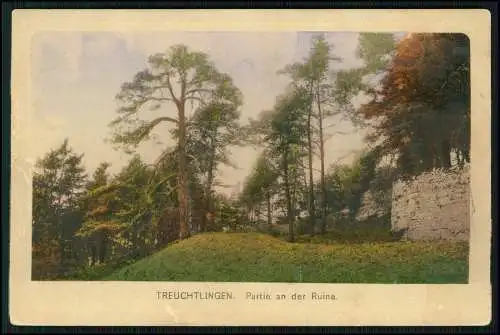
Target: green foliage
{"type": "Point", "coordinates": [176, 78]}
{"type": "Point", "coordinates": [58, 182]}
{"type": "Point", "coordinates": [418, 112]}
{"type": "Point", "coordinates": [122, 213]}
{"type": "Point", "coordinates": [348, 231]}
{"type": "Point", "coordinates": [228, 213]}
{"type": "Point", "coordinates": [419, 102]}
{"type": "Point", "coordinates": [346, 184]}
{"type": "Point", "coordinates": [252, 257]}
{"type": "Point", "coordinates": [98, 271]}
{"type": "Point", "coordinates": [213, 129]}
{"type": "Point", "coordinates": [288, 125]}
{"type": "Point", "coordinates": [375, 50]}
{"type": "Point", "coordinates": [262, 178]}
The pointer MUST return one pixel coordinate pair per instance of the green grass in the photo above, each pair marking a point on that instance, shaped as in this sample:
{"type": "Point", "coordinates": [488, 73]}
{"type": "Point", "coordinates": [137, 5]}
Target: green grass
{"type": "Point", "coordinates": [253, 257]}
{"type": "Point", "coordinates": [96, 272]}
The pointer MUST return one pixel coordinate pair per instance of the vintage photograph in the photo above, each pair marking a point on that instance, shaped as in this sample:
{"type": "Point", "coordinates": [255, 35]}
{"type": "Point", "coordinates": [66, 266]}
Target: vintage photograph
{"type": "Point", "coordinates": [280, 156]}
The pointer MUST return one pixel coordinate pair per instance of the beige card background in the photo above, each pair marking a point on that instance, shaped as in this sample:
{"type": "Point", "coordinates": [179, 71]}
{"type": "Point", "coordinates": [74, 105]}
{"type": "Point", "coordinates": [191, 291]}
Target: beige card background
{"type": "Point", "coordinates": [135, 303]}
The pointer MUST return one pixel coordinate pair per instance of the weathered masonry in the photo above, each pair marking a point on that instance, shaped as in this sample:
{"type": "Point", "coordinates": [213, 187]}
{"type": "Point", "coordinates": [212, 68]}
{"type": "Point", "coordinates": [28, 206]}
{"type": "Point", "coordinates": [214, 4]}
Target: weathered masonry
{"type": "Point", "coordinates": [433, 206]}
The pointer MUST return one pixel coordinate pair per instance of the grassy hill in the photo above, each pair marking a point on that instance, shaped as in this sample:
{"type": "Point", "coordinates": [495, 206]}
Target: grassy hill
{"type": "Point", "coordinates": [253, 257]}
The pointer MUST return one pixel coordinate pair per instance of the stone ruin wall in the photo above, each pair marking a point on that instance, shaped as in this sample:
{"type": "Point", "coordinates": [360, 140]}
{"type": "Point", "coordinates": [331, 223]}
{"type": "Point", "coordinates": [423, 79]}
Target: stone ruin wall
{"type": "Point", "coordinates": [433, 206]}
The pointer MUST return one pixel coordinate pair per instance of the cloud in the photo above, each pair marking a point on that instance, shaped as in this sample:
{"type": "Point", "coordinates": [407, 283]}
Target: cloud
{"type": "Point", "coordinates": [47, 132]}
{"type": "Point", "coordinates": [77, 75]}
{"type": "Point", "coordinates": [57, 54]}
{"type": "Point", "coordinates": [252, 59]}
{"type": "Point", "coordinates": [344, 46]}
{"type": "Point", "coordinates": [100, 45]}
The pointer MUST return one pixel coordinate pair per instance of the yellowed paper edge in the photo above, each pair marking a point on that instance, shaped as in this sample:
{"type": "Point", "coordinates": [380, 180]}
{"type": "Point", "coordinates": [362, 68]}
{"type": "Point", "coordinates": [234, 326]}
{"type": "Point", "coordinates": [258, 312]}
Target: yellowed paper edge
{"type": "Point", "coordinates": [131, 303]}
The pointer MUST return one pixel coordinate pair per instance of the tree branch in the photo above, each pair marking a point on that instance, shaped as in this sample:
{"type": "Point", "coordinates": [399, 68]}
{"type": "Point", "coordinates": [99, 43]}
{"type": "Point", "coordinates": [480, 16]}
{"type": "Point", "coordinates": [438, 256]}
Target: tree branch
{"type": "Point", "coordinates": [198, 90]}
{"type": "Point", "coordinates": [165, 118]}
{"type": "Point", "coordinates": [191, 97]}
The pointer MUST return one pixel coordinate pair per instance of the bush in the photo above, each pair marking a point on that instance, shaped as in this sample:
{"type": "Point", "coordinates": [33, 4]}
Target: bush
{"type": "Point", "coordinates": [99, 271]}
{"type": "Point", "coordinates": [303, 226]}
{"type": "Point", "coordinates": [344, 230]}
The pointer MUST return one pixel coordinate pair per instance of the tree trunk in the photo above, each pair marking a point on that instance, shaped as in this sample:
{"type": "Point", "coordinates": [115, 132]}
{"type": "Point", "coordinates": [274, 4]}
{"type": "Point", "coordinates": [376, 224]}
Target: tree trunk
{"type": "Point", "coordinates": [312, 209]}
{"type": "Point", "coordinates": [445, 154]}
{"type": "Point", "coordinates": [431, 163]}
{"type": "Point", "coordinates": [62, 253]}
{"type": "Point", "coordinates": [102, 248]}
{"type": "Point", "coordinates": [459, 157]}
{"type": "Point", "coordinates": [269, 214]}
{"type": "Point", "coordinates": [60, 241]}
{"type": "Point", "coordinates": [182, 178]}
{"type": "Point", "coordinates": [93, 254]}
{"type": "Point", "coordinates": [205, 222]}
{"type": "Point", "coordinates": [430, 159]}
{"type": "Point", "coordinates": [322, 159]}
{"type": "Point", "coordinates": [288, 199]}
{"type": "Point", "coordinates": [466, 155]}
{"type": "Point", "coordinates": [204, 219]}
{"type": "Point", "coordinates": [208, 218]}
{"type": "Point", "coordinates": [248, 214]}
{"type": "Point", "coordinates": [168, 227]}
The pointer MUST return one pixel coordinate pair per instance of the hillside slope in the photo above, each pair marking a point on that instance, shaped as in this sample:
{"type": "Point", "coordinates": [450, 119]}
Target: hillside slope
{"type": "Point", "coordinates": [253, 257]}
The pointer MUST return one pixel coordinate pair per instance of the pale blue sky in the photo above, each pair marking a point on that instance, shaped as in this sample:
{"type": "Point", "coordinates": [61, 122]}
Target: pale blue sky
{"type": "Point", "coordinates": [75, 77]}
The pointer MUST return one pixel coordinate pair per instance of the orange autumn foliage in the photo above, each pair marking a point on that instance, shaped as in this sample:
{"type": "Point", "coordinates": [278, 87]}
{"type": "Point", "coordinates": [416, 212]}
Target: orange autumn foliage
{"type": "Point", "coordinates": [421, 109]}
{"type": "Point", "coordinates": [414, 76]}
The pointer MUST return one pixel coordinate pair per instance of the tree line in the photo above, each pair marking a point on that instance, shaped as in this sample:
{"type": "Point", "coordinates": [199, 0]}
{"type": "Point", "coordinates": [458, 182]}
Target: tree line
{"type": "Point", "coordinates": [416, 106]}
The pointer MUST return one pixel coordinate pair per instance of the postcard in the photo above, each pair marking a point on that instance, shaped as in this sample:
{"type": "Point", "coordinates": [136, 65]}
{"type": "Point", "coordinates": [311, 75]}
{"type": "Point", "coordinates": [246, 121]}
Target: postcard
{"type": "Point", "coordinates": [250, 167]}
